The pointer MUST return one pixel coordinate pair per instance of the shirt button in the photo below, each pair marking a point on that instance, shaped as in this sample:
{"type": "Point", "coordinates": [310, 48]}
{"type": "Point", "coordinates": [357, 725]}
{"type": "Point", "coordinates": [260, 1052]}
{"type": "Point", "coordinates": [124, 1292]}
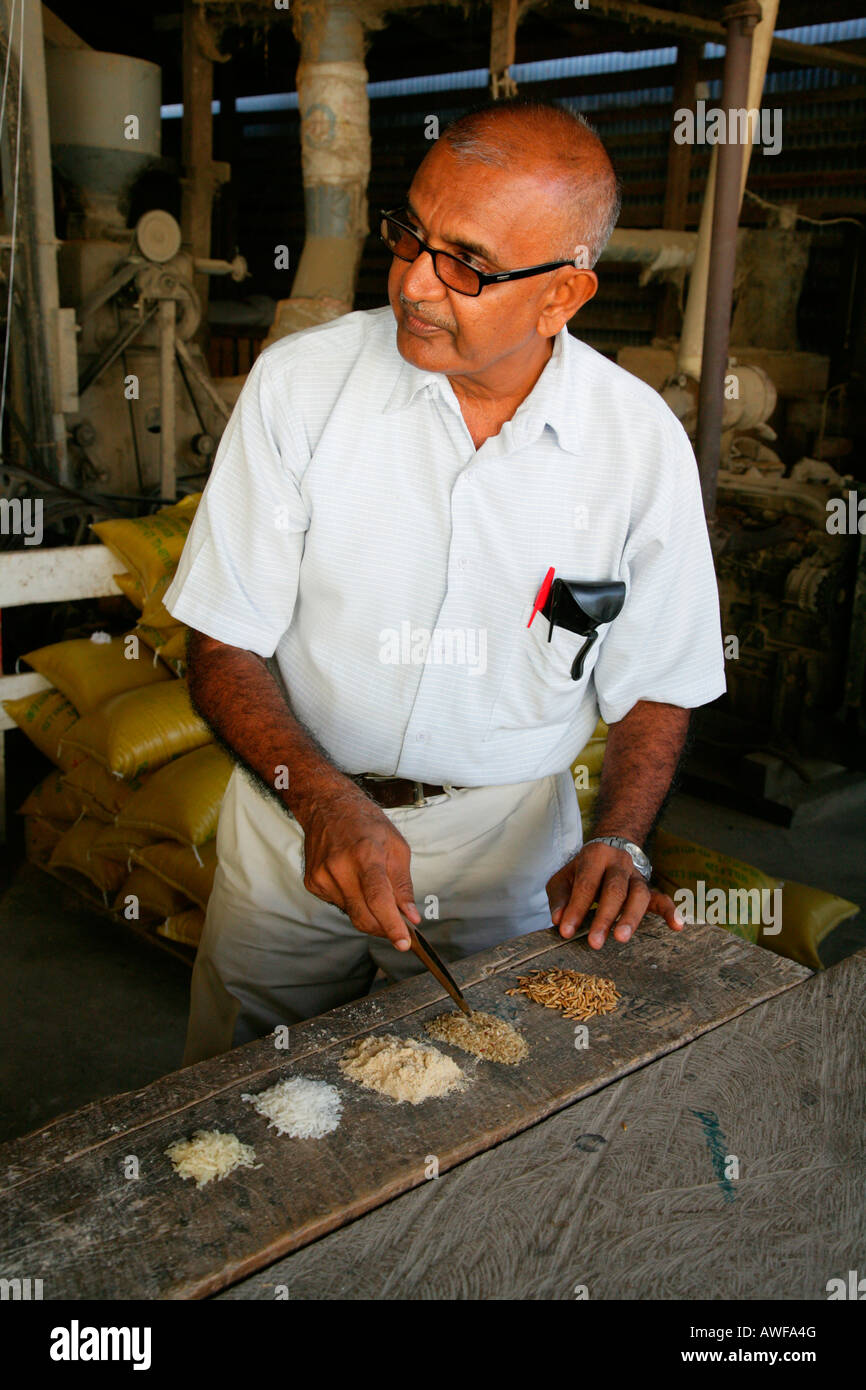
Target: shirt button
{"type": "Point", "coordinates": [420, 738]}
{"type": "Point", "coordinates": [463, 562]}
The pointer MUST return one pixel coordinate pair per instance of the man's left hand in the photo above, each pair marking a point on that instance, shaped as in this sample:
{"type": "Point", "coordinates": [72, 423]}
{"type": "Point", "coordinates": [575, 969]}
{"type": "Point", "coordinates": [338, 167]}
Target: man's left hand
{"type": "Point", "coordinates": [599, 873]}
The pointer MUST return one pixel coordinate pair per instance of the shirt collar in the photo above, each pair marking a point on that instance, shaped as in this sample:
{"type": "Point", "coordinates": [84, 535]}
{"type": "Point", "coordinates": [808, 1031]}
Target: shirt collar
{"type": "Point", "coordinates": [552, 400]}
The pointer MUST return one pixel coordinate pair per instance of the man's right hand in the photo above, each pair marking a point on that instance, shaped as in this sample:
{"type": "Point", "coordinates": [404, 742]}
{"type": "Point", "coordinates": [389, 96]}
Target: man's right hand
{"type": "Point", "coordinates": [355, 859]}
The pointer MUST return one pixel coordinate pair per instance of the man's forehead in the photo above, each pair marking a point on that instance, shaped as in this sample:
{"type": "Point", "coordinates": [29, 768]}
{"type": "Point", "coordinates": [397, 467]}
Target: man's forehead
{"type": "Point", "coordinates": [481, 206]}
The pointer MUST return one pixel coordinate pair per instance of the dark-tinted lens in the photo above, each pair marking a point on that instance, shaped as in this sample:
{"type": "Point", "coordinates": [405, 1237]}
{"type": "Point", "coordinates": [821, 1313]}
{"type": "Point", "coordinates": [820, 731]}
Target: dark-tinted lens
{"type": "Point", "coordinates": [456, 275]}
{"type": "Point", "coordinates": [400, 242]}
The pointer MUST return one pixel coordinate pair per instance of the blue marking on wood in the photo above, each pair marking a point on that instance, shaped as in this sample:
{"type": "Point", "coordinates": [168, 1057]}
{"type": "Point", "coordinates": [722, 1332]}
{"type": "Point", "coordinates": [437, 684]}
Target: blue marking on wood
{"type": "Point", "coordinates": [717, 1145]}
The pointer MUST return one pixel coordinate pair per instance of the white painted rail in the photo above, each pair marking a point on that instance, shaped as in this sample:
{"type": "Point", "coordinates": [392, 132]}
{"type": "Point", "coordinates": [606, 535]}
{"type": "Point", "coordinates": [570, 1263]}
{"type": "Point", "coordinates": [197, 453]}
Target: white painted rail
{"type": "Point", "coordinates": [34, 575]}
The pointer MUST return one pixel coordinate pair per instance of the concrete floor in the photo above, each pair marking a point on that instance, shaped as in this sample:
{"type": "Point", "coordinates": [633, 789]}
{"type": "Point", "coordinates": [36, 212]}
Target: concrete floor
{"type": "Point", "coordinates": [87, 1009]}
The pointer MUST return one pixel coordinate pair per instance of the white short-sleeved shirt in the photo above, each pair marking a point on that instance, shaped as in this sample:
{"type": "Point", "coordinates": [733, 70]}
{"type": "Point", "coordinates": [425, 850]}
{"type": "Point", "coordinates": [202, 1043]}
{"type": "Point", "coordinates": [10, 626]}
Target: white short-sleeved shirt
{"type": "Point", "coordinates": [351, 530]}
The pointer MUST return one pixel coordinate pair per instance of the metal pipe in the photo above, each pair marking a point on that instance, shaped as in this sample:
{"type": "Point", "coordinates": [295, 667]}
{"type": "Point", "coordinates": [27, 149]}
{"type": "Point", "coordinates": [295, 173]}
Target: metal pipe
{"type": "Point", "coordinates": [692, 334]}
{"type": "Point", "coordinates": [740, 19]}
{"type": "Point", "coordinates": [167, 407]}
{"type": "Point", "coordinates": [335, 154]}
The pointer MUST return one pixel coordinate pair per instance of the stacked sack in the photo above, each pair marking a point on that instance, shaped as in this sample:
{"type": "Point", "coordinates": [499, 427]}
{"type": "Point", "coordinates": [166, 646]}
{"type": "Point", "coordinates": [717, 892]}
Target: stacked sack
{"type": "Point", "coordinates": [130, 814]}
{"type": "Point", "coordinates": [586, 773]}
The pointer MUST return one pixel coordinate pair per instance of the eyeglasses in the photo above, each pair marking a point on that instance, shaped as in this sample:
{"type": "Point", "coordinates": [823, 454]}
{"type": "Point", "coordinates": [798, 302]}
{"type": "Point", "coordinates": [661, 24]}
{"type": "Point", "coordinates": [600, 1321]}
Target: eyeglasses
{"type": "Point", "coordinates": [402, 242]}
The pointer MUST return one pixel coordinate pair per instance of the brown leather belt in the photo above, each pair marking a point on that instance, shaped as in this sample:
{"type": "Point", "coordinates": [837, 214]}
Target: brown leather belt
{"type": "Point", "coordinates": [399, 791]}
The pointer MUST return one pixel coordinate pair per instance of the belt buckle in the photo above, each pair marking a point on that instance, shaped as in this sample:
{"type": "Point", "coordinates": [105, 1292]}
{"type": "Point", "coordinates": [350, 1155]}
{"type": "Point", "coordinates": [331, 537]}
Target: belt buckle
{"type": "Point", "coordinates": [420, 799]}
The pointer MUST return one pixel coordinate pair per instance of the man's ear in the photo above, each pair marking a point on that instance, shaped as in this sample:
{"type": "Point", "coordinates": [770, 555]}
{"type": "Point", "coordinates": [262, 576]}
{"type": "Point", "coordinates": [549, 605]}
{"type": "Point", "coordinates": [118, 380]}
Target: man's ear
{"type": "Point", "coordinates": [568, 295]}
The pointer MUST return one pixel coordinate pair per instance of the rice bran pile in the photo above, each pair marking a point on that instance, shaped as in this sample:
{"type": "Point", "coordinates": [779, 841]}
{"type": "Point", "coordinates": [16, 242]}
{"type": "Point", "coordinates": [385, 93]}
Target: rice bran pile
{"type": "Point", "coordinates": [485, 1035]}
{"type": "Point", "coordinates": [210, 1153]}
{"type": "Point", "coordinates": [574, 994]}
{"type": "Point", "coordinates": [299, 1107]}
{"type": "Point", "coordinates": [401, 1068]}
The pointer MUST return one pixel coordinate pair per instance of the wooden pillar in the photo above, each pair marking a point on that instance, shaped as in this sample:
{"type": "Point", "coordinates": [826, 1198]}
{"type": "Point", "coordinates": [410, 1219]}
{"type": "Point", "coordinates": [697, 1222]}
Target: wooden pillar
{"type": "Point", "coordinates": [503, 35]}
{"type": "Point", "coordinates": [200, 174]}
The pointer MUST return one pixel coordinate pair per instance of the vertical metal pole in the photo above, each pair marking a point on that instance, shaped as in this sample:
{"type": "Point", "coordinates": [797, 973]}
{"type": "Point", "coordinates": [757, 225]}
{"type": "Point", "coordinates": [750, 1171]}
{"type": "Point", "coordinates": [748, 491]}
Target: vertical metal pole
{"type": "Point", "coordinates": [167, 407]}
{"type": "Point", "coordinates": [740, 20]}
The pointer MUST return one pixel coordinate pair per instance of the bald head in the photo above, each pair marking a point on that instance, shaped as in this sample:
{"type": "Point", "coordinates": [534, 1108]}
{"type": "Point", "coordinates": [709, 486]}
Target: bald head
{"type": "Point", "coordinates": [544, 138]}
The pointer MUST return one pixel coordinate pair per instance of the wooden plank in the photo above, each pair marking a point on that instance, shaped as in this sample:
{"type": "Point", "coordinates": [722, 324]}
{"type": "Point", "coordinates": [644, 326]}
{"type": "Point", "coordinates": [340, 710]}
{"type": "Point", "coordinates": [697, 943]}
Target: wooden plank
{"type": "Point", "coordinates": [623, 1192]}
{"type": "Point", "coordinates": [50, 576]}
{"type": "Point", "coordinates": [70, 1216]}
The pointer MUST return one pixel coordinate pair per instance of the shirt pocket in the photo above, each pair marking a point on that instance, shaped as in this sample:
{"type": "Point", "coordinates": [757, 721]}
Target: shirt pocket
{"type": "Point", "coordinates": [537, 690]}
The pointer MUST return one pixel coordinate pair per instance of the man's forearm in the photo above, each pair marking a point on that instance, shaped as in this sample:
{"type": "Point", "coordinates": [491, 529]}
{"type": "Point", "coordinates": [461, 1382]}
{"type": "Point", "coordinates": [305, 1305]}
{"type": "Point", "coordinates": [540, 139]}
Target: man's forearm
{"type": "Point", "coordinates": [234, 691]}
{"type": "Point", "coordinates": [643, 750]}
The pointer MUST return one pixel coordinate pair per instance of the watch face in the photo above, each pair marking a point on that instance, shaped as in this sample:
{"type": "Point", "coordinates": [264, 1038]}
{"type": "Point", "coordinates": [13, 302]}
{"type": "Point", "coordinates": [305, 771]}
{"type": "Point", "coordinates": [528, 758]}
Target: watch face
{"type": "Point", "coordinates": [641, 861]}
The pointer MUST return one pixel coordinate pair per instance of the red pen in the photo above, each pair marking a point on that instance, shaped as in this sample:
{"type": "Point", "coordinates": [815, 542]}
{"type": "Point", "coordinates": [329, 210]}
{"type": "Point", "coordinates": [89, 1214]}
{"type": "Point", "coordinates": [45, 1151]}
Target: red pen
{"type": "Point", "coordinates": [541, 599]}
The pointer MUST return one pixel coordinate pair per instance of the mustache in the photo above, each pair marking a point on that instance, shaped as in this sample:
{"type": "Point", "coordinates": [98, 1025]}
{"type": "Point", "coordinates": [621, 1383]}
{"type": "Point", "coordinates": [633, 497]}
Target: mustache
{"type": "Point", "coordinates": [414, 311]}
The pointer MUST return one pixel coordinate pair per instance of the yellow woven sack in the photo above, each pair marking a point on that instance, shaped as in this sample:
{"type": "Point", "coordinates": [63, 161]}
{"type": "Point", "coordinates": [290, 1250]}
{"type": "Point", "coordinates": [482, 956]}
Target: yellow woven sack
{"type": "Point", "coordinates": [100, 793]}
{"type": "Point", "coordinates": [150, 546]}
{"type": "Point", "coordinates": [120, 844]}
{"type": "Point", "coordinates": [182, 801]}
{"type": "Point", "coordinates": [88, 673]}
{"type": "Point", "coordinates": [591, 758]}
{"type": "Point", "coordinates": [586, 800]}
{"type": "Point", "coordinates": [808, 915]}
{"type": "Point", "coordinates": [187, 927]}
{"type": "Point", "coordinates": [74, 851]}
{"type": "Point", "coordinates": [725, 890]}
{"type": "Point", "coordinates": [190, 870]}
{"type": "Point", "coordinates": [52, 800]}
{"type": "Point", "coordinates": [44, 718]}
{"type": "Point", "coordinates": [141, 730]}
{"type": "Point", "coordinates": [154, 612]}
{"type": "Point", "coordinates": [131, 588]}
{"type": "Point", "coordinates": [146, 898]}
{"type": "Point", "coordinates": [40, 837]}
{"type": "Point", "coordinates": [174, 649]}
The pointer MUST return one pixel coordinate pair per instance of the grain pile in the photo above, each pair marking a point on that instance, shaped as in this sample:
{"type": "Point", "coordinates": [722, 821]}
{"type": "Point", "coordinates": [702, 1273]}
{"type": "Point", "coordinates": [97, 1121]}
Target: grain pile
{"type": "Point", "coordinates": [400, 1068]}
{"type": "Point", "coordinates": [299, 1107]}
{"type": "Point", "coordinates": [575, 995]}
{"type": "Point", "coordinates": [482, 1034]}
{"type": "Point", "coordinates": [209, 1154]}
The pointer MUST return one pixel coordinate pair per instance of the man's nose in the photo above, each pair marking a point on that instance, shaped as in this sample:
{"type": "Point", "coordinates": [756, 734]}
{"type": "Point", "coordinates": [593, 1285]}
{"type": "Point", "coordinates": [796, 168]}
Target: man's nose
{"type": "Point", "coordinates": [421, 282]}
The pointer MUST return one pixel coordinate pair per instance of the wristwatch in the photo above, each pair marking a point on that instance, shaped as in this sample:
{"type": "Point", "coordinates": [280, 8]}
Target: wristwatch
{"type": "Point", "coordinates": [639, 859]}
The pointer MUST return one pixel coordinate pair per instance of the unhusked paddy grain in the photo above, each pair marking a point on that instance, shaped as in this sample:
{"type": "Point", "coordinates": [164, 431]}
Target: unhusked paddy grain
{"type": "Point", "coordinates": [576, 995]}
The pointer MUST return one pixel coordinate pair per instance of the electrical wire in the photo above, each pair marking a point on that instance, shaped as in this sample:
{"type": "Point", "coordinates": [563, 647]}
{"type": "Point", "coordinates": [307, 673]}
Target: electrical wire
{"type": "Point", "coordinates": [801, 216]}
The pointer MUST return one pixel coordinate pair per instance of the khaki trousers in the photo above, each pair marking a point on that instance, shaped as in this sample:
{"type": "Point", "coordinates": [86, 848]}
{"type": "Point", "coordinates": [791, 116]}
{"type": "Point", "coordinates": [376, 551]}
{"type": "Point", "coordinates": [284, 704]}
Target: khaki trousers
{"type": "Point", "coordinates": [272, 953]}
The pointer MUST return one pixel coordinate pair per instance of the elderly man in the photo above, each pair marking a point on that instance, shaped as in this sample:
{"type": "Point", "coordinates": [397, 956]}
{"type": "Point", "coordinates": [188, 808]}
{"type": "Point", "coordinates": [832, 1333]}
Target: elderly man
{"type": "Point", "coordinates": [387, 500]}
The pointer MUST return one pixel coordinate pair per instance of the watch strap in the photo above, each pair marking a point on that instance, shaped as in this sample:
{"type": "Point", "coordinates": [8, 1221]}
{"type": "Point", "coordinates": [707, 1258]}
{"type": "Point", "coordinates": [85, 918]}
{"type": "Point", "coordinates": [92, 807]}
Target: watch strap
{"type": "Point", "coordinates": [635, 853]}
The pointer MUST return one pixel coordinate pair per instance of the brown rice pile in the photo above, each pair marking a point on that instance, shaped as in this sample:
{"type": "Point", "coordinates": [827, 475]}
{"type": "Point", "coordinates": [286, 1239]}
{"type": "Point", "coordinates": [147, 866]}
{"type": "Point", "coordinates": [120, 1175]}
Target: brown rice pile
{"type": "Point", "coordinates": [482, 1034]}
{"type": "Point", "coordinates": [400, 1068]}
{"type": "Point", "coordinates": [209, 1154]}
{"type": "Point", "coordinates": [574, 994]}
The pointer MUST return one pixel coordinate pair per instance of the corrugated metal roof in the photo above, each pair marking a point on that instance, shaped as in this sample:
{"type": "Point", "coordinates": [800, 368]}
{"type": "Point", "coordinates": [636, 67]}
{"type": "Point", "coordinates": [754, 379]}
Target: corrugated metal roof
{"type": "Point", "coordinates": [586, 65]}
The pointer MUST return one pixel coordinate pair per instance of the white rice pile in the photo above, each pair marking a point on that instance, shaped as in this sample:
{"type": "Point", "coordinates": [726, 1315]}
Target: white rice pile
{"type": "Point", "coordinates": [299, 1107]}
